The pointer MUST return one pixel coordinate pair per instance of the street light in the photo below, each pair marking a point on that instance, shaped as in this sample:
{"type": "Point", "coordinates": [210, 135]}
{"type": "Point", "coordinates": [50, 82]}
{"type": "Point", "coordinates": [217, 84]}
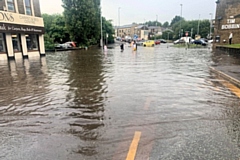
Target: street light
{"type": "Point", "coordinates": [156, 27]}
{"type": "Point", "coordinates": [118, 19]}
{"type": "Point", "coordinates": [181, 20]}
{"type": "Point", "coordinates": [101, 41]}
{"type": "Point", "coordinates": [198, 24]}
{"type": "Point", "coordinates": [210, 32]}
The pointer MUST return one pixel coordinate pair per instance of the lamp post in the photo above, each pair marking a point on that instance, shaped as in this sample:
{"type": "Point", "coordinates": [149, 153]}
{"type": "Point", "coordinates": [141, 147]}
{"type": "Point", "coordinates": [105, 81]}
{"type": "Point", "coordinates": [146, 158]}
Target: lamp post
{"type": "Point", "coordinates": [181, 20]}
{"type": "Point", "coordinates": [118, 19]}
{"type": "Point", "coordinates": [210, 32]}
{"type": "Point", "coordinates": [101, 41]}
{"type": "Point", "coordinates": [198, 24]}
{"type": "Point", "coordinates": [156, 27]}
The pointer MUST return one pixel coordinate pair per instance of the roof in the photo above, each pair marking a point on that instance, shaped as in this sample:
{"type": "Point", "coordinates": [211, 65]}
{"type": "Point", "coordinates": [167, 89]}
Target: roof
{"type": "Point", "coordinates": [126, 26]}
{"type": "Point", "coordinates": [142, 26]}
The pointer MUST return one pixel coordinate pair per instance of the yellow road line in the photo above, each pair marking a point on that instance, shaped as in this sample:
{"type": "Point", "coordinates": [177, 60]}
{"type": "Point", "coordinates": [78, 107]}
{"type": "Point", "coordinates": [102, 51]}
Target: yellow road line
{"type": "Point", "coordinates": [232, 88]}
{"type": "Point", "coordinates": [133, 148]}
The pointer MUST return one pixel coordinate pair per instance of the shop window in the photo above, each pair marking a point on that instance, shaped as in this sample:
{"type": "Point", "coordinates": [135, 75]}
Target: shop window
{"type": "Point", "coordinates": [2, 43]}
{"type": "Point", "coordinates": [32, 42]}
{"type": "Point", "coordinates": [11, 5]}
{"type": "Point", "coordinates": [28, 7]}
{"type": "Point", "coordinates": [16, 43]}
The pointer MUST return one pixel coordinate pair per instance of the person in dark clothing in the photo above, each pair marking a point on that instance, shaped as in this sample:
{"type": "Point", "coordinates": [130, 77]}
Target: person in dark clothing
{"type": "Point", "coordinates": [122, 47]}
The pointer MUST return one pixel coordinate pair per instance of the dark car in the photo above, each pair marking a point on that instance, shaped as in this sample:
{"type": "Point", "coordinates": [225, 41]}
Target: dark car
{"type": "Point", "coordinates": [200, 42]}
{"type": "Point", "coordinates": [163, 41]}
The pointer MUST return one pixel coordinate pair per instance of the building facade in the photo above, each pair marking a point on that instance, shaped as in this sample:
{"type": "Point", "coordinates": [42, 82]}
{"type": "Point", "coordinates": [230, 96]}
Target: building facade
{"type": "Point", "coordinates": [21, 29]}
{"type": "Point", "coordinates": [126, 30]}
{"type": "Point", "coordinates": [227, 20]}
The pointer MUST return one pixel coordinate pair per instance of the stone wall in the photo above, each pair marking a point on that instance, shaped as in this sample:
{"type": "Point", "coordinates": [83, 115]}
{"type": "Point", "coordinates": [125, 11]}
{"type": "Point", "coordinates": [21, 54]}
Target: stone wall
{"type": "Point", "coordinates": [227, 20]}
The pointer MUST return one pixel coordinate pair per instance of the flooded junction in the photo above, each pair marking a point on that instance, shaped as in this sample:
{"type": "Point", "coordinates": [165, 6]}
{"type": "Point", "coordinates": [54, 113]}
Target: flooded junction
{"type": "Point", "coordinates": [156, 103]}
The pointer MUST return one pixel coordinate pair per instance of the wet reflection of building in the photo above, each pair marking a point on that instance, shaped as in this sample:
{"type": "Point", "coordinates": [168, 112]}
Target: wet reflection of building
{"type": "Point", "coordinates": [22, 84]}
{"type": "Point", "coordinates": [87, 99]}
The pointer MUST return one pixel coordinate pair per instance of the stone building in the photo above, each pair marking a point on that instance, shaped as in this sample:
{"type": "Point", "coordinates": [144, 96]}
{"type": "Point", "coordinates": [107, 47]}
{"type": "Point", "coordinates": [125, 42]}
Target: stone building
{"type": "Point", "coordinates": [126, 30]}
{"type": "Point", "coordinates": [227, 20]}
{"type": "Point", "coordinates": [21, 29]}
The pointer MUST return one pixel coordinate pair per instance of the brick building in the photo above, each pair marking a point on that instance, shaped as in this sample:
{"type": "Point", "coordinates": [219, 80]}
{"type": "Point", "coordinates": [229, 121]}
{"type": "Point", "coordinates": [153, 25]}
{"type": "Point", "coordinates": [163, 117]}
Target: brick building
{"type": "Point", "coordinates": [227, 20]}
{"type": "Point", "coordinates": [21, 29]}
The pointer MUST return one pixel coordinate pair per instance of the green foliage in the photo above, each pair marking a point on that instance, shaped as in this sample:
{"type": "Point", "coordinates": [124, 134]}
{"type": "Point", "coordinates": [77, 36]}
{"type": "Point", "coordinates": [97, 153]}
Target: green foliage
{"type": "Point", "coordinates": [55, 30]}
{"type": "Point", "coordinates": [82, 19]}
{"type": "Point", "coordinates": [188, 26]}
{"type": "Point", "coordinates": [108, 29]}
{"type": "Point", "coordinates": [165, 24]}
{"type": "Point", "coordinates": [153, 23]}
{"type": "Point", "coordinates": [167, 35]}
{"type": "Point", "coordinates": [176, 19]}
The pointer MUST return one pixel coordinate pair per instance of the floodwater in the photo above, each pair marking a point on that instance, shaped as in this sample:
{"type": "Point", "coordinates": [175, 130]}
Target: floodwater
{"type": "Point", "coordinates": [88, 105]}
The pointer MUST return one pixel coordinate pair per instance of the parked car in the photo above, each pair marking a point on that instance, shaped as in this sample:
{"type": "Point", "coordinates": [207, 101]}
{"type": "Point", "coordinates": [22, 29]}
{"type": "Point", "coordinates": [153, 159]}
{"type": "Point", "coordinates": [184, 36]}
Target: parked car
{"type": "Point", "coordinates": [149, 43]}
{"type": "Point", "coordinates": [163, 41]}
{"type": "Point", "coordinates": [140, 43]}
{"type": "Point", "coordinates": [200, 42]}
{"type": "Point", "coordinates": [118, 38]}
{"type": "Point", "coordinates": [157, 42]}
{"type": "Point", "coordinates": [179, 41]}
{"type": "Point", "coordinates": [65, 45]}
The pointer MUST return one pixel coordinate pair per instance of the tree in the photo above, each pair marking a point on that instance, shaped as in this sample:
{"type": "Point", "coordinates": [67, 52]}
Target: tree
{"type": "Point", "coordinates": [82, 19]}
{"type": "Point", "coordinates": [165, 24]}
{"type": "Point", "coordinates": [108, 30]}
{"type": "Point", "coordinates": [176, 19]}
{"type": "Point", "coordinates": [188, 26]}
{"type": "Point", "coordinates": [55, 28]}
{"type": "Point", "coordinates": [153, 23]}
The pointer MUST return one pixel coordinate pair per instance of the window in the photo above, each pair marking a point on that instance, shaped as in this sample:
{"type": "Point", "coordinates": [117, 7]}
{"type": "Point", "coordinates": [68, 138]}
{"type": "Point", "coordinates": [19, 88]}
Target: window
{"type": "Point", "coordinates": [2, 43]}
{"type": "Point", "coordinates": [32, 42]}
{"type": "Point", "coordinates": [11, 5]}
{"type": "Point", "coordinates": [16, 43]}
{"type": "Point", "coordinates": [28, 7]}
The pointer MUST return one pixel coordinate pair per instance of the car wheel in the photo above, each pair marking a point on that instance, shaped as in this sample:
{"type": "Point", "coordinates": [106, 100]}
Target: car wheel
{"type": "Point", "coordinates": [144, 45]}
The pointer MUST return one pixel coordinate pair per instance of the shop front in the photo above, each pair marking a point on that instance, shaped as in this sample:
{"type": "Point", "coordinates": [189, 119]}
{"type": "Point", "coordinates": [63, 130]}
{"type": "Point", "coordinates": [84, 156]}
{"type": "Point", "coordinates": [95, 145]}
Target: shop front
{"type": "Point", "coordinates": [21, 36]}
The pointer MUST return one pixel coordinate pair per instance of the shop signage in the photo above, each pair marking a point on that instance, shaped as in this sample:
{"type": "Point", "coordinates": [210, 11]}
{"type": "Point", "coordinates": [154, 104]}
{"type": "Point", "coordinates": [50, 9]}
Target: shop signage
{"type": "Point", "coordinates": [11, 28]}
{"type": "Point", "coordinates": [21, 19]}
{"type": "Point", "coordinates": [231, 24]}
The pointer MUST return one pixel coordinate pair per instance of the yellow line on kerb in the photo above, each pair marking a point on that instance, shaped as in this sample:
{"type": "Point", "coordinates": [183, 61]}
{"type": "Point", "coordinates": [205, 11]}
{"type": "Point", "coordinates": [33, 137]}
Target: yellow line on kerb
{"type": "Point", "coordinates": [232, 87]}
{"type": "Point", "coordinates": [133, 148]}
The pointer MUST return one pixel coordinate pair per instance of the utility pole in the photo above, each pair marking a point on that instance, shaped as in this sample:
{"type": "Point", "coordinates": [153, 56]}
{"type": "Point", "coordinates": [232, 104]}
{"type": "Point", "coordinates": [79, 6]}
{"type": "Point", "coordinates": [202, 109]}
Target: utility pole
{"type": "Point", "coordinates": [210, 32]}
{"type": "Point", "coordinates": [181, 21]}
{"type": "Point", "coordinates": [198, 24]}
{"type": "Point", "coordinates": [192, 32]}
{"type": "Point", "coordinates": [156, 27]}
{"type": "Point", "coordinates": [118, 19]}
{"type": "Point", "coordinates": [101, 41]}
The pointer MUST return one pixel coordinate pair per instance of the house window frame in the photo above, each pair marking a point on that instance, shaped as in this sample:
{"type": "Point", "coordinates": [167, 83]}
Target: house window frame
{"type": "Point", "coordinates": [15, 4]}
{"type": "Point", "coordinates": [31, 7]}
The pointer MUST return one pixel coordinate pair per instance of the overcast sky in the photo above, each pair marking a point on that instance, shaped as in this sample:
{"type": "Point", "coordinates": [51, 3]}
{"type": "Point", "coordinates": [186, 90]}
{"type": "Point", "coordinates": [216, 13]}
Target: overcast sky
{"type": "Point", "coordinates": [140, 10]}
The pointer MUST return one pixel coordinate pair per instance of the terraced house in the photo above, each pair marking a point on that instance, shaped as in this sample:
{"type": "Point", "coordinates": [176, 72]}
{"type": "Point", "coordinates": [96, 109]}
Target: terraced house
{"type": "Point", "coordinates": [21, 29]}
{"type": "Point", "coordinates": [227, 20]}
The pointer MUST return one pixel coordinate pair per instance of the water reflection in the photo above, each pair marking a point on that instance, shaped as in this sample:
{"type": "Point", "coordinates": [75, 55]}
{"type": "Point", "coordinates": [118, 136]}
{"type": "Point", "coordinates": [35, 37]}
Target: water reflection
{"type": "Point", "coordinates": [87, 96]}
{"type": "Point", "coordinates": [21, 81]}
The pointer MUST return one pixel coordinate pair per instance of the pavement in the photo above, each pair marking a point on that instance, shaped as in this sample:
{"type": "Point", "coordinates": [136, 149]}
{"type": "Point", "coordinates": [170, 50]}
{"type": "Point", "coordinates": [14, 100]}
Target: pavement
{"type": "Point", "coordinates": [230, 73]}
{"type": "Point", "coordinates": [228, 67]}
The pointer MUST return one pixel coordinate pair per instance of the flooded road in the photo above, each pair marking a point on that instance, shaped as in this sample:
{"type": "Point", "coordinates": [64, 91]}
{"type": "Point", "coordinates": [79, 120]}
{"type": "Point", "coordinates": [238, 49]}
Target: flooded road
{"type": "Point", "coordinates": [156, 103]}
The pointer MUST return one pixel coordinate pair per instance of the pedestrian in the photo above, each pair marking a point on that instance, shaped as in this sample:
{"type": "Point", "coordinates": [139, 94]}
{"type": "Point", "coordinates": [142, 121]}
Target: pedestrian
{"type": "Point", "coordinates": [134, 46]}
{"type": "Point", "coordinates": [230, 38]}
{"type": "Point", "coordinates": [122, 47]}
{"type": "Point", "coordinates": [105, 48]}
